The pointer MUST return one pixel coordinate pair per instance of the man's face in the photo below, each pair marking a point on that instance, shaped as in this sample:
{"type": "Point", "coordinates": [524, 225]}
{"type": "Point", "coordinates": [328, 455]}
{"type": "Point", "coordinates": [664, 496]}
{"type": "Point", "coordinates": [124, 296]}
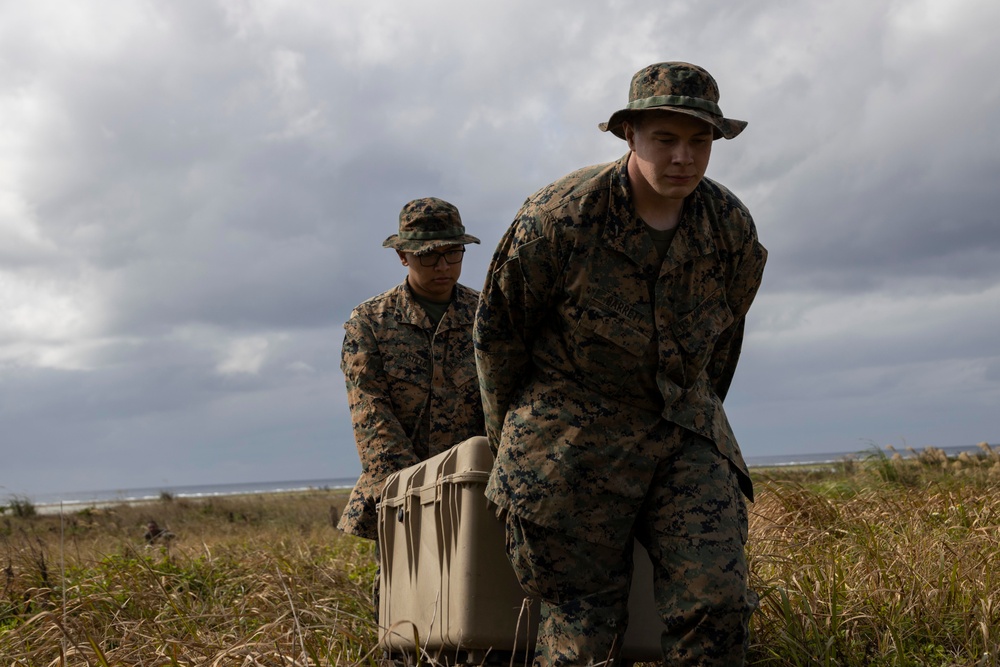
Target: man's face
{"type": "Point", "coordinates": [433, 282]}
{"type": "Point", "coordinates": [670, 153]}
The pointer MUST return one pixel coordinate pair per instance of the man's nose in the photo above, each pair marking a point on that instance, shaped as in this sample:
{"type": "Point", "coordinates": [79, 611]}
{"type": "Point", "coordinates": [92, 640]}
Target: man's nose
{"type": "Point", "coordinates": [683, 153]}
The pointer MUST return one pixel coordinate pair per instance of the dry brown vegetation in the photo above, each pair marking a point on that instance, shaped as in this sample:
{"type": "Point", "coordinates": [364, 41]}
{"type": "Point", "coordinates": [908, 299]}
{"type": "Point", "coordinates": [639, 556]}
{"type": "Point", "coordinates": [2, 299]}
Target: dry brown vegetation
{"type": "Point", "coordinates": [882, 561]}
{"type": "Point", "coordinates": [257, 580]}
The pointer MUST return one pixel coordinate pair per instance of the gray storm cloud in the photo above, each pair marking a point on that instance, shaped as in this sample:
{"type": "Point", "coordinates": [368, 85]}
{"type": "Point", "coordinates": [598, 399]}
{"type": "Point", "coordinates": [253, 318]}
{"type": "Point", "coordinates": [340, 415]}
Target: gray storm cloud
{"type": "Point", "coordinates": [194, 195]}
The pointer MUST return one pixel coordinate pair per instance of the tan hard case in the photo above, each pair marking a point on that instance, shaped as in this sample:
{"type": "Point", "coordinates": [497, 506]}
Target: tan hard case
{"type": "Point", "coordinates": [447, 589]}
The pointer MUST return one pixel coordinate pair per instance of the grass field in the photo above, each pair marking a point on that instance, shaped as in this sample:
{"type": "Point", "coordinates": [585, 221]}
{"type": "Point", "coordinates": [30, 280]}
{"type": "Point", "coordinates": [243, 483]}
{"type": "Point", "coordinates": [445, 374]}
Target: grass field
{"type": "Point", "coordinates": [882, 561]}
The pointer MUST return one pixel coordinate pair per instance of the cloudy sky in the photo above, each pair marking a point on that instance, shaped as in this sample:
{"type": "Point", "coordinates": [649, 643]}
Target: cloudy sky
{"type": "Point", "coordinates": [193, 196]}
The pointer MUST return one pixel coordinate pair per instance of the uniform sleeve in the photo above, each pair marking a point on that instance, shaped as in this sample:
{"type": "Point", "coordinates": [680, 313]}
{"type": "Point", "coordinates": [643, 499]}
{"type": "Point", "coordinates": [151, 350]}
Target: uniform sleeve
{"type": "Point", "coordinates": [383, 445]}
{"type": "Point", "coordinates": [747, 269]}
{"type": "Point", "coordinates": [514, 301]}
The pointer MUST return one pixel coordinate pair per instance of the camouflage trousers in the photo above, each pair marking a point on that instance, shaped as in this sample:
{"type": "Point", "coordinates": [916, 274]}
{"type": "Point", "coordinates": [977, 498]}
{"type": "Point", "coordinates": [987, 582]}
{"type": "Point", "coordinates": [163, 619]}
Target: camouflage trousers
{"type": "Point", "coordinates": [693, 523]}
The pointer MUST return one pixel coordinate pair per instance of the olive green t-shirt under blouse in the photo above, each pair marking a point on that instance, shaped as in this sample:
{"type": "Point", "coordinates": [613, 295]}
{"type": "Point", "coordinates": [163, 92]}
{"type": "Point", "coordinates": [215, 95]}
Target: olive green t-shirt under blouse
{"type": "Point", "coordinates": [434, 309]}
{"type": "Point", "coordinates": [661, 239]}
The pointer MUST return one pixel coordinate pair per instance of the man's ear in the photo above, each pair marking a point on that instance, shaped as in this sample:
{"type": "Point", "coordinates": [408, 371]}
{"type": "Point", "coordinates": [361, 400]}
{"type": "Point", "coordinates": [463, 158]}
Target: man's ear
{"type": "Point", "coordinates": [402, 257]}
{"type": "Point", "coordinates": [629, 131]}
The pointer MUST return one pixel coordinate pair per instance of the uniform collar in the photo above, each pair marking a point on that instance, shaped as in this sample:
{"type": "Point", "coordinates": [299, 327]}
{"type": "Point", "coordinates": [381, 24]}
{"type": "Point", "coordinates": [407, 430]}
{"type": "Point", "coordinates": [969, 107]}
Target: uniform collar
{"type": "Point", "coordinates": [625, 233]}
{"type": "Point", "coordinates": [408, 311]}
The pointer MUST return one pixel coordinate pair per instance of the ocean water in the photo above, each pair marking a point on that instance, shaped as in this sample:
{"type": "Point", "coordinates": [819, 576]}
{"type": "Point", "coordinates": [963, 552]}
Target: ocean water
{"type": "Point", "coordinates": [81, 499]}
{"type": "Point", "coordinates": [87, 498]}
{"type": "Point", "coordinates": [799, 459]}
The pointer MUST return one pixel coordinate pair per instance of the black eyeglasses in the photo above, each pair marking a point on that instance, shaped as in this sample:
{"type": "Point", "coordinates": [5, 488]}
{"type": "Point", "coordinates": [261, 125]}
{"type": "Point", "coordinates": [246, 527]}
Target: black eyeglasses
{"type": "Point", "coordinates": [431, 258]}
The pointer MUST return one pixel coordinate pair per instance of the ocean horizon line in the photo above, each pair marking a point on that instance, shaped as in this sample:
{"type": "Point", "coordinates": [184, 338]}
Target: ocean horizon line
{"type": "Point", "coordinates": [82, 499]}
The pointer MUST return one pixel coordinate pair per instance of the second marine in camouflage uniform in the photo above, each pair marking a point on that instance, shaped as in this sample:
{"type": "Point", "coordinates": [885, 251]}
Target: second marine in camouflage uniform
{"type": "Point", "coordinates": [411, 378]}
{"type": "Point", "coordinates": [604, 365]}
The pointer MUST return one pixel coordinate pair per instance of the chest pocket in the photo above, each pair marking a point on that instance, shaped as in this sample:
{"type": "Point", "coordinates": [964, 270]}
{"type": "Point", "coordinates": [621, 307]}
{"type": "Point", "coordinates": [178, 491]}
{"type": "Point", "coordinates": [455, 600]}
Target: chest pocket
{"type": "Point", "coordinates": [698, 331]}
{"type": "Point", "coordinates": [463, 372]}
{"type": "Point", "coordinates": [609, 342]}
{"type": "Point", "coordinates": [459, 359]}
{"type": "Point", "coordinates": [409, 377]}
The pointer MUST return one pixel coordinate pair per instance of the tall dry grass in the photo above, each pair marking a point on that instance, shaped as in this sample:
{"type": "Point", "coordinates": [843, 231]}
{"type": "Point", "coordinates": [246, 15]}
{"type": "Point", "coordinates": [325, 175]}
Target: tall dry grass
{"type": "Point", "coordinates": [882, 561]}
{"type": "Point", "coordinates": [262, 580]}
{"type": "Point", "coordinates": [887, 561]}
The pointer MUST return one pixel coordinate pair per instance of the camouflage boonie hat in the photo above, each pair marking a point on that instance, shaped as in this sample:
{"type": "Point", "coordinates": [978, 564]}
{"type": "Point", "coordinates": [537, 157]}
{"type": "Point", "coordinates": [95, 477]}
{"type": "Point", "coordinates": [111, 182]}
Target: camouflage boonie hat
{"type": "Point", "coordinates": [428, 223]}
{"type": "Point", "coordinates": [679, 87]}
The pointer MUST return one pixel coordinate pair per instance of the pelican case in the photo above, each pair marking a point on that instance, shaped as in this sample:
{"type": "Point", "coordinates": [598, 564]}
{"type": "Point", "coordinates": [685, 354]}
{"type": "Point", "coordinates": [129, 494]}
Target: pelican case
{"type": "Point", "coordinates": [448, 592]}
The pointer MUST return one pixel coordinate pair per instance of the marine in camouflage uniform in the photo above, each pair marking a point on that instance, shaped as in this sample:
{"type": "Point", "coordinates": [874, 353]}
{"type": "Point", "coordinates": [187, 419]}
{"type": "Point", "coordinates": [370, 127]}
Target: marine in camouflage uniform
{"type": "Point", "coordinates": [604, 354]}
{"type": "Point", "coordinates": [408, 359]}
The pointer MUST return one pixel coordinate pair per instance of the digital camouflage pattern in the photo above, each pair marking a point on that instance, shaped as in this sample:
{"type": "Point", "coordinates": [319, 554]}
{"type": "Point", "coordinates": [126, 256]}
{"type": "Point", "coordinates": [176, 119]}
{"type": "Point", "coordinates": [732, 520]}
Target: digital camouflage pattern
{"type": "Point", "coordinates": [694, 527]}
{"type": "Point", "coordinates": [411, 388]}
{"type": "Point", "coordinates": [588, 348]}
{"type": "Point", "coordinates": [428, 223]}
{"type": "Point", "coordinates": [584, 341]}
{"type": "Point", "coordinates": [678, 87]}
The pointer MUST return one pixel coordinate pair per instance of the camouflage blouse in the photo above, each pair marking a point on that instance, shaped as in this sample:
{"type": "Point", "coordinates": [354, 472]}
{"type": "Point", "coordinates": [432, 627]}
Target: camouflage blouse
{"type": "Point", "coordinates": [411, 387]}
{"type": "Point", "coordinates": [585, 340]}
